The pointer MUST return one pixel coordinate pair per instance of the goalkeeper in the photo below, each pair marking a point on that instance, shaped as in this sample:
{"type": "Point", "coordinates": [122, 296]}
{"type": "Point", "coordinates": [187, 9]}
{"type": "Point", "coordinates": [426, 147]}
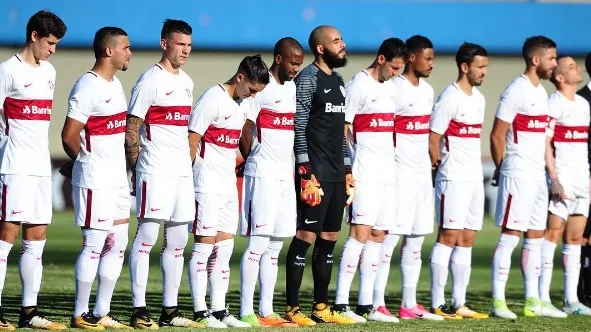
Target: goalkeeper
{"type": "Point", "coordinates": [323, 175]}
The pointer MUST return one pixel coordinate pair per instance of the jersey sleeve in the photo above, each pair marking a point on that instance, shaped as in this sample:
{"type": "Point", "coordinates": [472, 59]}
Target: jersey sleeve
{"type": "Point", "coordinates": [204, 112]}
{"type": "Point", "coordinates": [255, 106]}
{"type": "Point", "coordinates": [443, 112]}
{"type": "Point", "coordinates": [354, 100]}
{"type": "Point", "coordinates": [305, 87]}
{"type": "Point", "coordinates": [142, 97]}
{"type": "Point", "coordinates": [555, 112]}
{"type": "Point", "coordinates": [508, 105]}
{"type": "Point", "coordinates": [80, 104]}
{"type": "Point", "coordinates": [5, 84]}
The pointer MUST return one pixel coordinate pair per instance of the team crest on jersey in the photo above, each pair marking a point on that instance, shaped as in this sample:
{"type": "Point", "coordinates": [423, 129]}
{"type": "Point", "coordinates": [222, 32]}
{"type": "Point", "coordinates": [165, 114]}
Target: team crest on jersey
{"type": "Point", "coordinates": [188, 92]}
{"type": "Point", "coordinates": [343, 90]}
{"type": "Point", "coordinates": [51, 85]}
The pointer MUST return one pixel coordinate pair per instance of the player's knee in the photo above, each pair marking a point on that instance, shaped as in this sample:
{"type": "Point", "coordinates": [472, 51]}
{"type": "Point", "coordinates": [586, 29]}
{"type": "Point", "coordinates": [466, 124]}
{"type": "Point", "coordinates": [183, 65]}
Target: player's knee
{"type": "Point", "coordinates": [360, 233]}
{"type": "Point", "coordinates": [330, 236]}
{"type": "Point", "coordinates": [305, 236]}
{"type": "Point", "coordinates": [553, 234]}
{"type": "Point", "coordinates": [9, 231]}
{"type": "Point", "coordinates": [448, 237]}
{"type": "Point", "coordinates": [34, 232]}
{"type": "Point", "coordinates": [573, 238]}
{"type": "Point", "coordinates": [377, 235]}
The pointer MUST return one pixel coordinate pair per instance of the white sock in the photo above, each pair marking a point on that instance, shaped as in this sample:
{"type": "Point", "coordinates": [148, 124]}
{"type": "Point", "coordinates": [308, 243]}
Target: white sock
{"type": "Point", "coordinates": [5, 248]}
{"type": "Point", "coordinates": [410, 268]}
{"type": "Point", "coordinates": [461, 268]}
{"type": "Point", "coordinates": [350, 256]}
{"type": "Point", "coordinates": [268, 275]}
{"type": "Point", "coordinates": [87, 265]}
{"type": "Point", "coordinates": [502, 264]}
{"type": "Point", "coordinates": [571, 261]}
{"type": "Point", "coordinates": [172, 261]}
{"type": "Point", "coordinates": [368, 270]}
{"type": "Point", "coordinates": [219, 278]}
{"type": "Point", "coordinates": [109, 268]}
{"type": "Point", "coordinates": [379, 288]}
{"type": "Point", "coordinates": [139, 259]}
{"type": "Point", "coordinates": [249, 271]}
{"type": "Point", "coordinates": [531, 259]}
{"type": "Point", "coordinates": [548, 249]}
{"type": "Point", "coordinates": [198, 274]}
{"type": "Point", "coordinates": [439, 262]}
{"type": "Point", "coordinates": [31, 271]}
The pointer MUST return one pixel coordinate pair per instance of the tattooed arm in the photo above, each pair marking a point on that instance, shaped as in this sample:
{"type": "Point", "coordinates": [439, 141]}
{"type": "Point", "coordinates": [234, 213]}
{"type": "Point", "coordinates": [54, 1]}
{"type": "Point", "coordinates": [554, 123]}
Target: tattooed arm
{"type": "Point", "coordinates": [132, 144]}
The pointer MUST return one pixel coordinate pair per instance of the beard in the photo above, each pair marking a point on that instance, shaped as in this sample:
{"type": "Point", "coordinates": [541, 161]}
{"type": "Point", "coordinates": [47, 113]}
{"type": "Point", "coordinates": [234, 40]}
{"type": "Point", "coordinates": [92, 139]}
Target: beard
{"type": "Point", "coordinates": [332, 60]}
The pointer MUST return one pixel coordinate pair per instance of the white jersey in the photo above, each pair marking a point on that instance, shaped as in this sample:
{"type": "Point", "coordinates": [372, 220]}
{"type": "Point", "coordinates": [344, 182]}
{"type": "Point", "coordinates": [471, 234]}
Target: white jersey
{"type": "Point", "coordinates": [369, 108]}
{"type": "Point", "coordinates": [458, 117]}
{"type": "Point", "coordinates": [525, 106]}
{"type": "Point", "coordinates": [219, 120]}
{"type": "Point", "coordinates": [569, 129]}
{"type": "Point", "coordinates": [272, 111]}
{"type": "Point", "coordinates": [163, 100]}
{"type": "Point", "coordinates": [101, 106]}
{"type": "Point", "coordinates": [413, 109]}
{"type": "Point", "coordinates": [26, 98]}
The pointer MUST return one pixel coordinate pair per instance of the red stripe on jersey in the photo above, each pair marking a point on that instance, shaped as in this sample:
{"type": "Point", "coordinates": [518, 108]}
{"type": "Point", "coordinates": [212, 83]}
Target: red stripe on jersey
{"type": "Point", "coordinates": [413, 125]}
{"type": "Point", "coordinates": [572, 134]}
{"type": "Point", "coordinates": [106, 124]}
{"type": "Point", "coordinates": [529, 123]}
{"type": "Point", "coordinates": [272, 120]}
{"type": "Point", "coordinates": [226, 138]}
{"type": "Point", "coordinates": [168, 115]}
{"type": "Point", "coordinates": [35, 109]}
{"type": "Point", "coordinates": [463, 130]}
{"type": "Point", "coordinates": [373, 123]}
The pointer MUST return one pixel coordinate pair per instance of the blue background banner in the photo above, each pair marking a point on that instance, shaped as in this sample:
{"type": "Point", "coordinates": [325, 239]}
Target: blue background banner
{"type": "Point", "coordinates": [501, 27]}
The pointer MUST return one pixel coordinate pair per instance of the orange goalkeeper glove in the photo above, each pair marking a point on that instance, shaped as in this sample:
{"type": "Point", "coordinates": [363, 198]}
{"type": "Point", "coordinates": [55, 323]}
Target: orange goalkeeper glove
{"type": "Point", "coordinates": [349, 185]}
{"type": "Point", "coordinates": [310, 191]}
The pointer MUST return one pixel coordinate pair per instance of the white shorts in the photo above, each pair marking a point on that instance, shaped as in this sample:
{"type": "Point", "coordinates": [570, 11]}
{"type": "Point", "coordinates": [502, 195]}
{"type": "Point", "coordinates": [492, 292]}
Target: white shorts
{"type": "Point", "coordinates": [165, 197]}
{"type": "Point", "coordinates": [576, 204]}
{"type": "Point", "coordinates": [414, 205]}
{"type": "Point", "coordinates": [99, 208]}
{"type": "Point", "coordinates": [268, 207]}
{"type": "Point", "coordinates": [522, 203]}
{"type": "Point", "coordinates": [459, 204]}
{"type": "Point", "coordinates": [215, 213]}
{"type": "Point", "coordinates": [26, 199]}
{"type": "Point", "coordinates": [374, 204]}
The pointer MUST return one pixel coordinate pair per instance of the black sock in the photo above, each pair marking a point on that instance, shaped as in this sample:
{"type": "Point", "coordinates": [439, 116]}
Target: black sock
{"type": "Point", "coordinates": [295, 265]}
{"type": "Point", "coordinates": [586, 272]}
{"type": "Point", "coordinates": [322, 268]}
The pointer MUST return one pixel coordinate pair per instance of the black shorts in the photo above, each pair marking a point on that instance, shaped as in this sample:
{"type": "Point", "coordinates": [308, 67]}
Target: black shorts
{"type": "Point", "coordinates": [587, 232]}
{"type": "Point", "coordinates": [328, 215]}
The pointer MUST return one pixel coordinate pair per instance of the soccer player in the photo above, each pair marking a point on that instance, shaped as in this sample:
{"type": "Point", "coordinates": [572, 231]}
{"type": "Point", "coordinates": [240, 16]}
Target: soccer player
{"type": "Point", "coordinates": [568, 169]}
{"type": "Point", "coordinates": [323, 176]}
{"type": "Point", "coordinates": [214, 134]}
{"type": "Point", "coordinates": [27, 82]}
{"type": "Point", "coordinates": [522, 202]}
{"type": "Point", "coordinates": [93, 136]}
{"type": "Point", "coordinates": [414, 188]}
{"type": "Point", "coordinates": [454, 148]}
{"type": "Point", "coordinates": [268, 201]}
{"type": "Point", "coordinates": [157, 119]}
{"type": "Point", "coordinates": [369, 126]}
{"type": "Point", "coordinates": [584, 288]}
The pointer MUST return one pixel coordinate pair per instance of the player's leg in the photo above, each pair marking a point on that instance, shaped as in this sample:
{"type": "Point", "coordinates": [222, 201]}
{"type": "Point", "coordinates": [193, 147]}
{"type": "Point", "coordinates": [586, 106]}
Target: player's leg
{"type": "Point", "coordinates": [512, 213]}
{"type": "Point", "coordinates": [219, 262]}
{"type": "Point", "coordinates": [451, 215]}
{"type": "Point", "coordinates": [362, 215]}
{"type": "Point", "coordinates": [154, 198]}
{"type": "Point", "coordinates": [34, 238]}
{"type": "Point", "coordinates": [584, 288]}
{"type": "Point", "coordinates": [385, 258]}
{"type": "Point", "coordinates": [322, 257]}
{"type": "Point", "coordinates": [461, 257]}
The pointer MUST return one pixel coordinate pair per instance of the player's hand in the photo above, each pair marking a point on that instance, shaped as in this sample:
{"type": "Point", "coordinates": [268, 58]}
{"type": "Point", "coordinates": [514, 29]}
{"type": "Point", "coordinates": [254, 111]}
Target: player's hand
{"type": "Point", "coordinates": [556, 189]}
{"type": "Point", "coordinates": [349, 185]}
{"type": "Point", "coordinates": [434, 169]}
{"type": "Point", "coordinates": [310, 191]}
{"type": "Point", "coordinates": [66, 170]}
{"type": "Point", "coordinates": [495, 178]}
{"type": "Point", "coordinates": [132, 193]}
{"type": "Point", "coordinates": [240, 169]}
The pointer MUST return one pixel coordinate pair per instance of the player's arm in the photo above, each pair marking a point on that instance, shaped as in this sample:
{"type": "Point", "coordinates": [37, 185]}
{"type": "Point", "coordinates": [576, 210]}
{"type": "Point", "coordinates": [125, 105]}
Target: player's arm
{"type": "Point", "coordinates": [132, 139]}
{"type": "Point", "coordinates": [246, 139]}
{"type": "Point", "coordinates": [506, 112]}
{"type": "Point", "coordinates": [5, 84]}
{"type": "Point", "coordinates": [354, 102]}
{"type": "Point", "coordinates": [143, 95]}
{"type": "Point", "coordinates": [556, 189]}
{"type": "Point", "coordinates": [444, 110]}
{"type": "Point", "coordinates": [79, 110]}
{"type": "Point", "coordinates": [194, 140]}
{"type": "Point", "coordinates": [71, 137]}
{"type": "Point", "coordinates": [204, 112]}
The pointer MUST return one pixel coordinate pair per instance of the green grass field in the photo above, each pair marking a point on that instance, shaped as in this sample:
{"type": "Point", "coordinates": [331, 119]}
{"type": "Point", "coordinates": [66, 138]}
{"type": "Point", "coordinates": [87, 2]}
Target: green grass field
{"type": "Point", "coordinates": [57, 294]}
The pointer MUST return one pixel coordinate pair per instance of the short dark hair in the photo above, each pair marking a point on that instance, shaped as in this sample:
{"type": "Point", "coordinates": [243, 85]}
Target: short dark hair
{"type": "Point", "coordinates": [103, 36]}
{"type": "Point", "coordinates": [170, 26]}
{"type": "Point", "coordinates": [467, 52]}
{"type": "Point", "coordinates": [555, 71]}
{"type": "Point", "coordinates": [393, 48]}
{"type": "Point", "coordinates": [255, 69]}
{"type": "Point", "coordinates": [283, 42]}
{"type": "Point", "coordinates": [588, 63]}
{"type": "Point", "coordinates": [535, 43]}
{"type": "Point", "coordinates": [418, 43]}
{"type": "Point", "coordinates": [45, 23]}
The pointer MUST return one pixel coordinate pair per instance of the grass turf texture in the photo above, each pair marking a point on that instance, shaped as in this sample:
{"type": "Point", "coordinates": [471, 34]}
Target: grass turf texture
{"type": "Point", "coordinates": [56, 298]}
